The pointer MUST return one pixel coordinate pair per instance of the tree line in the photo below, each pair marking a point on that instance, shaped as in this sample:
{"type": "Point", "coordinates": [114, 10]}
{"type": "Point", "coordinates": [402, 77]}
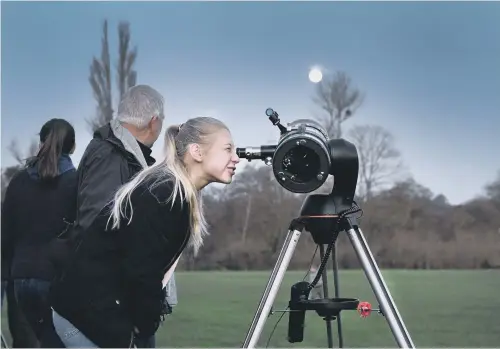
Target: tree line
{"type": "Point", "coordinates": [405, 224]}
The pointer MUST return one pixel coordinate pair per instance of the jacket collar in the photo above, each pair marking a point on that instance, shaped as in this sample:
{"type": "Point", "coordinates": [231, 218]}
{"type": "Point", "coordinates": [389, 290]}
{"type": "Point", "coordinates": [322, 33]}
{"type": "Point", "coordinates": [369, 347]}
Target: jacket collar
{"type": "Point", "coordinates": [106, 133]}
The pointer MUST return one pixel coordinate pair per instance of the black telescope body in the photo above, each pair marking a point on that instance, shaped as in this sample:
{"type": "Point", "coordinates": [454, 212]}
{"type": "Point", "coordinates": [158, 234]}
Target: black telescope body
{"type": "Point", "coordinates": [305, 156]}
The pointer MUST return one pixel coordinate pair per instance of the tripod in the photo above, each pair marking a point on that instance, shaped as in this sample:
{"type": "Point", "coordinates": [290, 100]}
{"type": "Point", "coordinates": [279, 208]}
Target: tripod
{"type": "Point", "coordinates": [325, 216]}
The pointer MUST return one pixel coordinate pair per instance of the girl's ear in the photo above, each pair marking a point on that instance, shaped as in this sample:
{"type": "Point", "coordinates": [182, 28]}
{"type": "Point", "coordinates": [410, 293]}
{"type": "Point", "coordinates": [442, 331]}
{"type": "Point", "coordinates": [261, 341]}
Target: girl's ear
{"type": "Point", "coordinates": [195, 152]}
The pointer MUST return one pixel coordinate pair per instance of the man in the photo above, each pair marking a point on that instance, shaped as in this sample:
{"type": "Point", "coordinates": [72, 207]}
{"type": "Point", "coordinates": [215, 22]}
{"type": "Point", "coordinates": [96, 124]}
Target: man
{"type": "Point", "coordinates": [116, 153]}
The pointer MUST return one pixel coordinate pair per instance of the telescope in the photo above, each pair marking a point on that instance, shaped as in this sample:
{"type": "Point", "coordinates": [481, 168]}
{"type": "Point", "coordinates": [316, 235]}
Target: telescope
{"type": "Point", "coordinates": [301, 161]}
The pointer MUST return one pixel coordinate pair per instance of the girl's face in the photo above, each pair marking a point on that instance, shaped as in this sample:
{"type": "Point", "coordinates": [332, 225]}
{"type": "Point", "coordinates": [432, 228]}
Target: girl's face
{"type": "Point", "coordinates": [220, 159]}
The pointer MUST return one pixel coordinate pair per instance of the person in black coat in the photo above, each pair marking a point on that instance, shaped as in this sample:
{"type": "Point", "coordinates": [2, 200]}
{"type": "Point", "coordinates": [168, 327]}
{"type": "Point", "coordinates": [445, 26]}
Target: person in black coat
{"type": "Point", "coordinates": [39, 204]}
{"type": "Point", "coordinates": [114, 290]}
{"type": "Point", "coordinates": [117, 152]}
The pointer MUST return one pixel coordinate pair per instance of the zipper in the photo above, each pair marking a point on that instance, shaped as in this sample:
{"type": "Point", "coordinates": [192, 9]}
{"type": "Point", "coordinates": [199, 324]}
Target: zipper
{"type": "Point", "coordinates": [178, 253]}
{"type": "Point", "coordinates": [69, 226]}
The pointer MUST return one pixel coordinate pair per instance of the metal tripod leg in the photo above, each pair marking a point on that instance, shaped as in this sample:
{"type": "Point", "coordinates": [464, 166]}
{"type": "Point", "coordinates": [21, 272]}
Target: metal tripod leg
{"type": "Point", "coordinates": [380, 289]}
{"type": "Point", "coordinates": [4, 342]}
{"type": "Point", "coordinates": [325, 295]}
{"type": "Point", "coordinates": [337, 293]}
{"type": "Point", "coordinates": [272, 288]}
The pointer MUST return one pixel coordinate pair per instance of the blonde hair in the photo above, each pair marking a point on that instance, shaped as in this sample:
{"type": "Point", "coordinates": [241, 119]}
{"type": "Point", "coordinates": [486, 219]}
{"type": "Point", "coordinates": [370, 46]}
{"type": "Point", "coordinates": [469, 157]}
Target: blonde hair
{"type": "Point", "coordinates": [177, 141]}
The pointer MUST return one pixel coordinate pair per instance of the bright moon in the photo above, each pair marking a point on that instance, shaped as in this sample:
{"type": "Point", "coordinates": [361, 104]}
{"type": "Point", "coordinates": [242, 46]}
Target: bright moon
{"type": "Point", "coordinates": [315, 75]}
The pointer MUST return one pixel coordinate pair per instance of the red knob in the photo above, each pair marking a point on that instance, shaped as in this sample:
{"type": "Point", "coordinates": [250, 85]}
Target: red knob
{"type": "Point", "coordinates": [364, 309]}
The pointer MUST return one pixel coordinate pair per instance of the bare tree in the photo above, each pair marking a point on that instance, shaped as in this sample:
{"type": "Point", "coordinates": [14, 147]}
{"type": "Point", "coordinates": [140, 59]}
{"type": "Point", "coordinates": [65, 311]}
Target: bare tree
{"type": "Point", "coordinates": [339, 100]}
{"type": "Point", "coordinates": [100, 74]}
{"type": "Point", "coordinates": [379, 160]}
{"type": "Point", "coordinates": [493, 189]}
{"type": "Point", "coordinates": [126, 75]}
{"type": "Point", "coordinates": [13, 147]}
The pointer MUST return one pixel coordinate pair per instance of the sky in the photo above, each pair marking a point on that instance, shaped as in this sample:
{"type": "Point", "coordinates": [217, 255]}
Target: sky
{"type": "Point", "coordinates": [430, 72]}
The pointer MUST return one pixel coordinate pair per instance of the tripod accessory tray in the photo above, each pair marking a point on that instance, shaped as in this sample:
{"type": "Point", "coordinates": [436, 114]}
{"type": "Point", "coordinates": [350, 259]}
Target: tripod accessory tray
{"type": "Point", "coordinates": [327, 307]}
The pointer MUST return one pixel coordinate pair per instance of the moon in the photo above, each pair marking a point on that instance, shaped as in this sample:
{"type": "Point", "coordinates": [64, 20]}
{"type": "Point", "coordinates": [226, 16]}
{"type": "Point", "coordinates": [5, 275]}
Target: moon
{"type": "Point", "coordinates": [315, 75]}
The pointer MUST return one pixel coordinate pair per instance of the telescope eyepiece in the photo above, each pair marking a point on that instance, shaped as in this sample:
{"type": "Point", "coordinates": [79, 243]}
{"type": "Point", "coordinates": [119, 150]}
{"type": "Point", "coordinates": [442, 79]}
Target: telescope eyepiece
{"type": "Point", "coordinates": [256, 153]}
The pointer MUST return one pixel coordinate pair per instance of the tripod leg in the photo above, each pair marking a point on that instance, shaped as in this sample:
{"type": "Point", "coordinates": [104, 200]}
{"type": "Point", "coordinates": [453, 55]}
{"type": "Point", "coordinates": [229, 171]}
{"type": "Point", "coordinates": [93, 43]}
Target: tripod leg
{"type": "Point", "coordinates": [4, 342]}
{"type": "Point", "coordinates": [337, 293]}
{"type": "Point", "coordinates": [272, 287]}
{"type": "Point", "coordinates": [380, 289]}
{"type": "Point", "coordinates": [325, 295]}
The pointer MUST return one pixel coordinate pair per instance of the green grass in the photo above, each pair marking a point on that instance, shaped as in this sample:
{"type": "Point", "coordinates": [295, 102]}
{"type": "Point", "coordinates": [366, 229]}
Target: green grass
{"type": "Point", "coordinates": [440, 309]}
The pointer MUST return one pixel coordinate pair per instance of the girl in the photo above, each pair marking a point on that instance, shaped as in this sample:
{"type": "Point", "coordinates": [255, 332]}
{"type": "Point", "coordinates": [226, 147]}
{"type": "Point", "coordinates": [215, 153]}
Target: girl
{"type": "Point", "coordinates": [39, 203]}
{"type": "Point", "coordinates": [113, 291]}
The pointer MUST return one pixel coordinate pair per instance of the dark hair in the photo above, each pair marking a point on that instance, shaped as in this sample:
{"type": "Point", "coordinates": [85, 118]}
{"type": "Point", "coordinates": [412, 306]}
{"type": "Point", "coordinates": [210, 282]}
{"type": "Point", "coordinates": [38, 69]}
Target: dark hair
{"type": "Point", "coordinates": [57, 137]}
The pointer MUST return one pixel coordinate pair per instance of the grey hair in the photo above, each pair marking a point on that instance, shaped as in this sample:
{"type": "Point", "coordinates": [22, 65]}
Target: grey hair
{"type": "Point", "coordinates": [177, 140]}
{"type": "Point", "coordinates": [139, 104]}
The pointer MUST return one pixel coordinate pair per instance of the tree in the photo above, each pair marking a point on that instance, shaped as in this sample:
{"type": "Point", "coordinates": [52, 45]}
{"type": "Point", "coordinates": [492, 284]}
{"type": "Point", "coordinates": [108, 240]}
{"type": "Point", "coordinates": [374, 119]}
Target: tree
{"type": "Point", "coordinates": [409, 189]}
{"type": "Point", "coordinates": [100, 74]}
{"type": "Point", "coordinates": [20, 159]}
{"type": "Point", "coordinates": [379, 160]}
{"type": "Point", "coordinates": [493, 189]}
{"type": "Point", "coordinates": [339, 100]}
{"type": "Point", "coordinates": [441, 200]}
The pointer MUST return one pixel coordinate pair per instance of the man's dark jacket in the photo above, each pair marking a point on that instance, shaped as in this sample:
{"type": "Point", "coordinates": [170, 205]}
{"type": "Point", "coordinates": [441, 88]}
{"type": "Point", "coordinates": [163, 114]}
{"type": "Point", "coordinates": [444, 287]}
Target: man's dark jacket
{"type": "Point", "coordinates": [104, 167]}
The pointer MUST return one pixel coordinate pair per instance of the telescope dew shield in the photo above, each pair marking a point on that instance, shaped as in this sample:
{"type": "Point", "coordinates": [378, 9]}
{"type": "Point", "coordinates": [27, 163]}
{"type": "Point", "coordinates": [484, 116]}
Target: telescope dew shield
{"type": "Point", "coordinates": [301, 161]}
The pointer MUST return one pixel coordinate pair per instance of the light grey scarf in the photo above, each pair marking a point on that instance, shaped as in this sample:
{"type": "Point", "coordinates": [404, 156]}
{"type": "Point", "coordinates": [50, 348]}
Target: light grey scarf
{"type": "Point", "coordinates": [131, 145]}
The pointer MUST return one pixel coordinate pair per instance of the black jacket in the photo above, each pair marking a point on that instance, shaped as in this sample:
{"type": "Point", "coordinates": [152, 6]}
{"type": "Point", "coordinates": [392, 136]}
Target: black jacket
{"type": "Point", "coordinates": [34, 213]}
{"type": "Point", "coordinates": [115, 280]}
{"type": "Point", "coordinates": [104, 167]}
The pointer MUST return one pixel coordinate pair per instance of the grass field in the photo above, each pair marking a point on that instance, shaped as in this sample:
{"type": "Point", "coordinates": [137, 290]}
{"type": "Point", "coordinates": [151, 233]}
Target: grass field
{"type": "Point", "coordinates": [440, 308]}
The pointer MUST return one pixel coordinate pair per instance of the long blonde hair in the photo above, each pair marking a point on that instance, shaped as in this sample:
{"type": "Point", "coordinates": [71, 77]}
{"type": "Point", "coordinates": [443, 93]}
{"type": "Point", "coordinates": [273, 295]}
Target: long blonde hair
{"type": "Point", "coordinates": [177, 141]}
